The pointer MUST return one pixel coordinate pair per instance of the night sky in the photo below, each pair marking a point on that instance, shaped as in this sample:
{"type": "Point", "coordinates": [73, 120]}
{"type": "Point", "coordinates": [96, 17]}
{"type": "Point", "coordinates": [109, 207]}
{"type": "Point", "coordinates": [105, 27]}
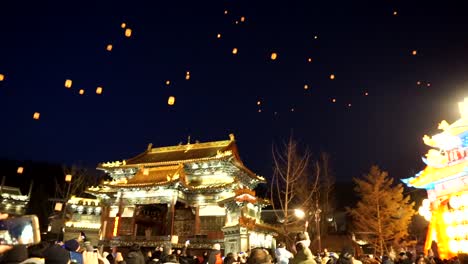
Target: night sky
{"type": "Point", "coordinates": [364, 44]}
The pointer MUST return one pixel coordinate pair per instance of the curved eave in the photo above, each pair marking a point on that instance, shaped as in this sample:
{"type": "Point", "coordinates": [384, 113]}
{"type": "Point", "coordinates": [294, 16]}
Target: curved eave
{"type": "Point", "coordinates": [133, 185]}
{"type": "Point", "coordinates": [430, 175]}
{"type": "Point", "coordinates": [250, 173]}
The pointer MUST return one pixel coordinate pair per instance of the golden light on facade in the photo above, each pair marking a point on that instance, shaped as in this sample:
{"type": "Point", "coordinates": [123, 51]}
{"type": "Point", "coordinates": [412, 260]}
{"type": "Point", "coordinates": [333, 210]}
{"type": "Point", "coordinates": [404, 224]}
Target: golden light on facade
{"type": "Point", "coordinates": [36, 115]}
{"type": "Point", "coordinates": [171, 100]}
{"type": "Point", "coordinates": [332, 76]}
{"type": "Point", "coordinates": [234, 51]}
{"type": "Point", "coordinates": [109, 47]}
{"type": "Point", "coordinates": [273, 56]}
{"type": "Point", "coordinates": [2, 77]}
{"type": "Point", "coordinates": [123, 25]}
{"type": "Point", "coordinates": [366, 93]}
{"type": "Point", "coordinates": [81, 91]}
{"type": "Point", "coordinates": [99, 90]}
{"type": "Point", "coordinates": [128, 32]}
{"type": "Point", "coordinates": [20, 170]}
{"type": "Point", "coordinates": [68, 83]}
{"type": "Point", "coordinates": [225, 12]}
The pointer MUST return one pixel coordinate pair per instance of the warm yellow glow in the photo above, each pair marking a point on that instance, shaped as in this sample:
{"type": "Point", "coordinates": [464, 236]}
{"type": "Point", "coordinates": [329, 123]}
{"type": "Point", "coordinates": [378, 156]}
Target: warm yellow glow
{"type": "Point", "coordinates": [306, 86]}
{"type": "Point", "coordinates": [334, 100]}
{"type": "Point", "coordinates": [171, 100]}
{"type": "Point", "coordinates": [187, 75]}
{"type": "Point", "coordinates": [259, 102]}
{"type": "Point", "coordinates": [86, 225]}
{"type": "Point", "coordinates": [242, 19]}
{"type": "Point", "coordinates": [58, 207]}
{"type": "Point", "coordinates": [463, 107]}
{"type": "Point", "coordinates": [81, 92]}
{"type": "Point", "coordinates": [123, 25]}
{"type": "Point", "coordinates": [414, 52]}
{"type": "Point", "coordinates": [299, 213]}
{"type": "Point", "coordinates": [332, 76]}
{"type": "Point", "coordinates": [116, 226]}
{"type": "Point", "coordinates": [395, 13]}
{"type": "Point", "coordinates": [455, 202]}
{"type": "Point", "coordinates": [273, 56]}
{"type": "Point", "coordinates": [36, 115]}
{"type": "Point", "coordinates": [225, 12]}
{"type": "Point", "coordinates": [145, 171]}
{"type": "Point", "coordinates": [234, 51]}
{"type": "Point", "coordinates": [309, 59]}
{"type": "Point", "coordinates": [168, 82]}
{"type": "Point", "coordinates": [109, 47]}
{"type": "Point", "coordinates": [68, 83]}
{"type": "Point", "coordinates": [20, 170]}
{"type": "Point", "coordinates": [2, 77]}
{"type": "Point", "coordinates": [99, 90]}
{"type": "Point", "coordinates": [68, 177]}
{"type": "Point", "coordinates": [219, 35]}
{"type": "Point", "coordinates": [128, 32]}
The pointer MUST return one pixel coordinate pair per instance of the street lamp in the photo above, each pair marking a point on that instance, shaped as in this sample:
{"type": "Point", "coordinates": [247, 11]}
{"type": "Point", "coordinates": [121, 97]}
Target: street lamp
{"type": "Point", "coordinates": [299, 213]}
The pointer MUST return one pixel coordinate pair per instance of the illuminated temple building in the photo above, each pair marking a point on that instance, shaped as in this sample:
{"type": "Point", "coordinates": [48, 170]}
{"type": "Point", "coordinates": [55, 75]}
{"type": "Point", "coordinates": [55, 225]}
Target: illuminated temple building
{"type": "Point", "coordinates": [446, 180]}
{"type": "Point", "coordinates": [200, 192]}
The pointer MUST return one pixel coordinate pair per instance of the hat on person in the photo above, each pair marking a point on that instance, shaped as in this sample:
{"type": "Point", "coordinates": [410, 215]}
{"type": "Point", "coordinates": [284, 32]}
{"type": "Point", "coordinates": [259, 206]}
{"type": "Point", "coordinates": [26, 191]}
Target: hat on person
{"type": "Point", "coordinates": [56, 255]}
{"type": "Point", "coordinates": [72, 245]}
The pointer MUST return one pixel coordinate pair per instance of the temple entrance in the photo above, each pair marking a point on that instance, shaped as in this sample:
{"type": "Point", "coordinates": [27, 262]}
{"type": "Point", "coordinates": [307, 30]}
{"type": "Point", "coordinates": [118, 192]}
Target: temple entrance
{"type": "Point", "coordinates": [150, 220]}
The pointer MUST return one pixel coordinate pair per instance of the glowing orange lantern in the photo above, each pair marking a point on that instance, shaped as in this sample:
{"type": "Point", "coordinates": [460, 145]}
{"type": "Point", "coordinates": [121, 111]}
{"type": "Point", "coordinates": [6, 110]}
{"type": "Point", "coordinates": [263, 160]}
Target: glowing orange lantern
{"type": "Point", "coordinates": [99, 90]}
{"type": "Point", "coordinates": [109, 47]}
{"type": "Point", "coordinates": [242, 19]}
{"type": "Point", "coordinates": [123, 25]}
{"type": "Point", "coordinates": [395, 13]}
{"type": "Point", "coordinates": [218, 36]}
{"type": "Point", "coordinates": [234, 51]}
{"type": "Point", "coordinates": [414, 52]}
{"type": "Point", "coordinates": [309, 59]}
{"type": "Point", "coordinates": [2, 77]}
{"type": "Point", "coordinates": [306, 86]}
{"type": "Point", "coordinates": [171, 100]}
{"type": "Point", "coordinates": [36, 115]}
{"type": "Point", "coordinates": [168, 82]}
{"type": "Point", "coordinates": [366, 94]}
{"type": "Point", "coordinates": [128, 32]}
{"type": "Point", "coordinates": [334, 100]}
{"type": "Point", "coordinates": [81, 92]}
{"type": "Point", "coordinates": [68, 83]}
{"type": "Point", "coordinates": [332, 76]}
{"type": "Point", "coordinates": [225, 12]}
{"type": "Point", "coordinates": [259, 103]}
{"type": "Point", "coordinates": [20, 170]}
{"type": "Point", "coordinates": [274, 56]}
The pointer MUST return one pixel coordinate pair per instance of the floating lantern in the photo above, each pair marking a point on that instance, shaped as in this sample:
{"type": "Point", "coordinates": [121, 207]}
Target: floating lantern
{"type": "Point", "coordinates": [242, 19]}
{"type": "Point", "coordinates": [306, 86]}
{"type": "Point", "coordinates": [259, 110]}
{"type": "Point", "coordinates": [332, 76]}
{"type": "Point", "coordinates": [2, 77]}
{"type": "Point", "coordinates": [123, 25]}
{"type": "Point", "coordinates": [428, 84]}
{"type": "Point", "coordinates": [36, 115]}
{"type": "Point", "coordinates": [20, 170]}
{"type": "Point", "coordinates": [366, 93]}
{"type": "Point", "coordinates": [414, 52]}
{"type": "Point", "coordinates": [225, 12]}
{"type": "Point", "coordinates": [349, 105]}
{"type": "Point", "coordinates": [109, 47]}
{"type": "Point", "coordinates": [334, 100]}
{"type": "Point", "coordinates": [274, 56]}
{"type": "Point", "coordinates": [128, 32]}
{"type": "Point", "coordinates": [81, 92]}
{"type": "Point", "coordinates": [171, 100]}
{"type": "Point", "coordinates": [395, 13]}
{"type": "Point", "coordinates": [68, 83]}
{"type": "Point", "coordinates": [309, 59]}
{"type": "Point", "coordinates": [234, 51]}
{"type": "Point", "coordinates": [218, 36]}
{"type": "Point", "coordinates": [259, 103]}
{"type": "Point", "coordinates": [418, 82]}
{"type": "Point", "coordinates": [99, 90]}
{"type": "Point", "coordinates": [168, 82]}
{"type": "Point", "coordinates": [315, 37]}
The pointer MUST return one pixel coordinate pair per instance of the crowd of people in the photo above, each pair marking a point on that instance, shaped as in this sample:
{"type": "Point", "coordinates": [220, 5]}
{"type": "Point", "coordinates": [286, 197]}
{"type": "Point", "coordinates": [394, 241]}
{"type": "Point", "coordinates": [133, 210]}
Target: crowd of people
{"type": "Point", "coordinates": [80, 251]}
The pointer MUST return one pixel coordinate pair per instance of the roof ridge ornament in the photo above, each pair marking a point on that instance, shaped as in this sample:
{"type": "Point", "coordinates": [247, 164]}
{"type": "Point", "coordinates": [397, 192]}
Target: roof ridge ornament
{"type": "Point", "coordinates": [150, 146]}
{"type": "Point", "coordinates": [232, 137]}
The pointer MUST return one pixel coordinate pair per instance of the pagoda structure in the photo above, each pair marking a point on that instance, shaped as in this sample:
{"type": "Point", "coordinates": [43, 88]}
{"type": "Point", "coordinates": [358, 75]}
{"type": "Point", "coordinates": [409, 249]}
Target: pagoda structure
{"type": "Point", "coordinates": [200, 192]}
{"type": "Point", "coordinates": [446, 180]}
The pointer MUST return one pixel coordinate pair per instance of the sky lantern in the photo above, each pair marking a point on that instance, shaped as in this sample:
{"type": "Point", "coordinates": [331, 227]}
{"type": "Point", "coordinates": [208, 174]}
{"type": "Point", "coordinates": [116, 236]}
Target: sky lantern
{"type": "Point", "coordinates": [242, 19]}
{"type": "Point", "coordinates": [395, 13]}
{"type": "Point", "coordinates": [168, 82]}
{"type": "Point", "coordinates": [366, 93]}
{"type": "Point", "coordinates": [349, 105]}
{"type": "Point", "coordinates": [315, 37]}
{"type": "Point", "coordinates": [234, 51]}
{"type": "Point", "coordinates": [187, 75]}
{"type": "Point", "coordinates": [333, 100]}
{"type": "Point", "coordinates": [2, 77]}
{"type": "Point", "coordinates": [128, 32]}
{"type": "Point", "coordinates": [332, 76]}
{"type": "Point", "coordinates": [309, 59]}
{"type": "Point", "coordinates": [418, 82]}
{"type": "Point", "coordinates": [274, 55]}
{"type": "Point", "coordinates": [306, 86]}
{"type": "Point", "coordinates": [109, 47]}
{"type": "Point", "coordinates": [428, 84]}
{"type": "Point", "coordinates": [99, 90]}
{"type": "Point", "coordinates": [259, 102]}
{"type": "Point", "coordinates": [20, 170]}
{"type": "Point", "coordinates": [68, 83]}
{"type": "Point", "coordinates": [36, 115]}
{"type": "Point", "coordinates": [81, 92]}
{"type": "Point", "coordinates": [218, 36]}
{"type": "Point", "coordinates": [171, 100]}
{"type": "Point", "coordinates": [225, 12]}
{"type": "Point", "coordinates": [123, 25]}
{"type": "Point", "coordinates": [414, 52]}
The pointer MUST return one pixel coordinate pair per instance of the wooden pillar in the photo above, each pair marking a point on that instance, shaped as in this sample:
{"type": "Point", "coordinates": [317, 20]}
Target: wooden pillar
{"type": "Point", "coordinates": [197, 220]}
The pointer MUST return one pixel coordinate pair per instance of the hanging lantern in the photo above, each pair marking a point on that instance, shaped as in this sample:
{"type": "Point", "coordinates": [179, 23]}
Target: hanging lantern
{"type": "Point", "coordinates": [234, 51]}
{"type": "Point", "coordinates": [99, 90]}
{"type": "Point", "coordinates": [332, 76]}
{"type": "Point", "coordinates": [273, 56]}
{"type": "Point", "coordinates": [36, 115]}
{"type": "Point", "coordinates": [68, 83]}
{"type": "Point", "coordinates": [123, 25]}
{"type": "Point", "coordinates": [81, 92]}
{"type": "Point", "coordinates": [109, 47]}
{"type": "Point", "coordinates": [128, 32]}
{"type": "Point", "coordinates": [2, 77]}
{"type": "Point", "coordinates": [171, 100]}
{"type": "Point", "coordinates": [20, 170]}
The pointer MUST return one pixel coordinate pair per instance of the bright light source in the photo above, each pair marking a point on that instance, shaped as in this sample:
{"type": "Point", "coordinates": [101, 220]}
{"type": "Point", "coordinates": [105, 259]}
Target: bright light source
{"type": "Point", "coordinates": [299, 213]}
{"type": "Point", "coordinates": [68, 178]}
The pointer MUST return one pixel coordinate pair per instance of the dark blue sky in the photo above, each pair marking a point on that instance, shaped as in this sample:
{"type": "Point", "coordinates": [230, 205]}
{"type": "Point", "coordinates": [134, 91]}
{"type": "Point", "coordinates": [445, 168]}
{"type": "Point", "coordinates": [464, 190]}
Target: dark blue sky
{"type": "Point", "coordinates": [361, 42]}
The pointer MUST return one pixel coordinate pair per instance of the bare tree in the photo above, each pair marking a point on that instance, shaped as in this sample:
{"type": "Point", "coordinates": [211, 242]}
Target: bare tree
{"type": "Point", "coordinates": [292, 187]}
{"type": "Point", "coordinates": [327, 185]}
{"type": "Point", "coordinates": [81, 179]}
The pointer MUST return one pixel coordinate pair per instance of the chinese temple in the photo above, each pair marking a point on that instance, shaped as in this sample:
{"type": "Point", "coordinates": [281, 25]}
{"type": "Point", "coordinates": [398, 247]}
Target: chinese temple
{"type": "Point", "coordinates": [13, 202]}
{"type": "Point", "coordinates": [446, 180]}
{"type": "Point", "coordinates": [200, 192]}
